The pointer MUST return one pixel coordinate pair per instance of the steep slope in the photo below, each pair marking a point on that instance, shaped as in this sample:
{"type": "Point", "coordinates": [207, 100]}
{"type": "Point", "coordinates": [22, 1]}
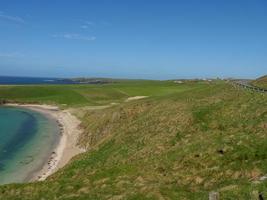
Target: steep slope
{"type": "Point", "coordinates": [261, 82]}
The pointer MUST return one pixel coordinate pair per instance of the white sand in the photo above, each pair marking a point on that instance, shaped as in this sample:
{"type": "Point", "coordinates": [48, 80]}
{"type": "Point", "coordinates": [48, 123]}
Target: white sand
{"type": "Point", "coordinates": [67, 146]}
{"type": "Point", "coordinates": [135, 98]}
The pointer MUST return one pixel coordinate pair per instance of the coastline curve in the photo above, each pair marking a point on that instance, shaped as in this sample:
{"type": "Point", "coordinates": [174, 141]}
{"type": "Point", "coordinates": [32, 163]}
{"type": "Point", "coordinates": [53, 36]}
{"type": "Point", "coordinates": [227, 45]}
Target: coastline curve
{"type": "Point", "coordinates": [67, 146]}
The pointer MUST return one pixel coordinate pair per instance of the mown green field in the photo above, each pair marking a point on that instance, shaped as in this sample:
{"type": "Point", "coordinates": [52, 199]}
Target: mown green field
{"type": "Point", "coordinates": [84, 95]}
{"type": "Point", "coordinates": [181, 142]}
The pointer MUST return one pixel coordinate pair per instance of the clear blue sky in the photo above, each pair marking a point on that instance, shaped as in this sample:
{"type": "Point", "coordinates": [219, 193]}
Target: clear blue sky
{"type": "Point", "coordinates": [156, 39]}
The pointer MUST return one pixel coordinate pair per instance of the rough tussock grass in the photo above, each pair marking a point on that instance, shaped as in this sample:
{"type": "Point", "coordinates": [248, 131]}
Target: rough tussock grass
{"type": "Point", "coordinates": [261, 82]}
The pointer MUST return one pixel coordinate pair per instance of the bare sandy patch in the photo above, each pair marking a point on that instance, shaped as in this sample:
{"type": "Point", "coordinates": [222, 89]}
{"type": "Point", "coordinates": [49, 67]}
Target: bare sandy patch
{"type": "Point", "coordinates": [135, 98]}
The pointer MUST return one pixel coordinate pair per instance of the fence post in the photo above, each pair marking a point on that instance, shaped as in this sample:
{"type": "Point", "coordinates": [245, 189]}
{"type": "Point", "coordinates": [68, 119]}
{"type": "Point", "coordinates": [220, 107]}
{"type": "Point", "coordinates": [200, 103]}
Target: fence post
{"type": "Point", "coordinates": [213, 195]}
{"type": "Point", "coordinates": [256, 195]}
{"type": "Point", "coordinates": [261, 196]}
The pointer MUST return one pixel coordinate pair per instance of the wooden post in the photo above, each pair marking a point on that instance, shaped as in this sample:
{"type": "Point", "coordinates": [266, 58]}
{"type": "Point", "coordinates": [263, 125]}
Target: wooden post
{"type": "Point", "coordinates": [256, 195]}
{"type": "Point", "coordinates": [261, 196]}
{"type": "Point", "coordinates": [213, 196]}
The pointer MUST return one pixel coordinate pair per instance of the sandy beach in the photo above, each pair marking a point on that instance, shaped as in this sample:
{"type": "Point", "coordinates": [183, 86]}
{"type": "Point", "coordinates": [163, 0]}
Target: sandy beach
{"type": "Point", "coordinates": [67, 145]}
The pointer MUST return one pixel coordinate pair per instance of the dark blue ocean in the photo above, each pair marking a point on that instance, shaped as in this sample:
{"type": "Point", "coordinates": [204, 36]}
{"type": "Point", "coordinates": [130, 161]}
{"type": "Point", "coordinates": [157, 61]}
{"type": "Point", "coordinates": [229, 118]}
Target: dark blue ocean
{"type": "Point", "coordinates": [8, 80]}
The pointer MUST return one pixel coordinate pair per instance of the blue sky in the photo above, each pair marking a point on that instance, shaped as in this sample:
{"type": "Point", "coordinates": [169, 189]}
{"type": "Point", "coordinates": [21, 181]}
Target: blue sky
{"type": "Point", "coordinates": [155, 39]}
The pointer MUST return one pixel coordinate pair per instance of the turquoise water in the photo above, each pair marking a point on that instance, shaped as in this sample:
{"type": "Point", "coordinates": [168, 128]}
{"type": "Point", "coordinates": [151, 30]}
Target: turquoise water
{"type": "Point", "coordinates": [27, 139]}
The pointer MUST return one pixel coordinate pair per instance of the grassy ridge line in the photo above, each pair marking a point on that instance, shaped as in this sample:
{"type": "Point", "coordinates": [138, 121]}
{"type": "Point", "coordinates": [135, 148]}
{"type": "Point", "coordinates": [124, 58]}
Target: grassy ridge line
{"type": "Point", "coordinates": [180, 143]}
{"type": "Point", "coordinates": [261, 82]}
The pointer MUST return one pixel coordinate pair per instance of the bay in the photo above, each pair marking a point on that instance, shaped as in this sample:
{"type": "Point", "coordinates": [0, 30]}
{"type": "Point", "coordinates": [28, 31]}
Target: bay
{"type": "Point", "coordinates": [27, 139]}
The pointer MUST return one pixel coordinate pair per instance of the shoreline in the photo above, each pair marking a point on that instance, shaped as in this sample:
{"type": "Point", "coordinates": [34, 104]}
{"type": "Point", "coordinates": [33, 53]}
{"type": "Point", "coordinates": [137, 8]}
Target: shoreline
{"type": "Point", "coordinates": [66, 148]}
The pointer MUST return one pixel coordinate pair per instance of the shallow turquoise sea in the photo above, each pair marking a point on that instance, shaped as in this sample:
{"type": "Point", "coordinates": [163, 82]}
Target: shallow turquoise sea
{"type": "Point", "coordinates": [27, 139]}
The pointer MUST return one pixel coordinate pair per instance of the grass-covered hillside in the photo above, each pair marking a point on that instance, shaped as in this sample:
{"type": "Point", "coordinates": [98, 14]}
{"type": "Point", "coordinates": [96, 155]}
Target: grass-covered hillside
{"type": "Point", "coordinates": [84, 95]}
{"type": "Point", "coordinates": [261, 82]}
{"type": "Point", "coordinates": [181, 142]}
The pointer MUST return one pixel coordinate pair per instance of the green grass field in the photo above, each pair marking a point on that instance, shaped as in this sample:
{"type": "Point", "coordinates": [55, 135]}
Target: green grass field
{"type": "Point", "coordinates": [181, 142]}
{"type": "Point", "coordinates": [84, 95]}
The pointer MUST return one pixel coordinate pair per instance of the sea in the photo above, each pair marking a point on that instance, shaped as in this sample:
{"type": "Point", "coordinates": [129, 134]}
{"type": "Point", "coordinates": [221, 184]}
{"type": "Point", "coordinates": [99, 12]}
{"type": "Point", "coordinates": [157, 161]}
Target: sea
{"type": "Point", "coordinates": [27, 139]}
{"type": "Point", "coordinates": [12, 80]}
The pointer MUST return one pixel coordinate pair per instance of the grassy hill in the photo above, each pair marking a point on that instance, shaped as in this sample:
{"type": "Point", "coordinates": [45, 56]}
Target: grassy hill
{"type": "Point", "coordinates": [181, 142]}
{"type": "Point", "coordinates": [261, 82]}
{"type": "Point", "coordinates": [84, 95]}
